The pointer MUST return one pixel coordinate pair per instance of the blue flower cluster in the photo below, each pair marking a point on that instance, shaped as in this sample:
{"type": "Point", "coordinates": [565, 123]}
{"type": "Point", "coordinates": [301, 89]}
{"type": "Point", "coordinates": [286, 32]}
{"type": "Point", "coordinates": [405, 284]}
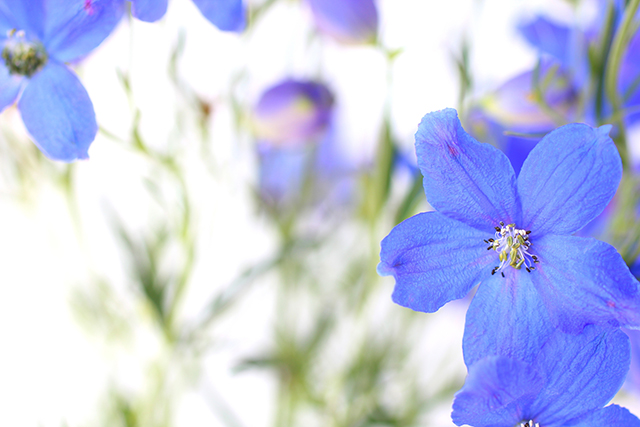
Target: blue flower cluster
{"type": "Point", "coordinates": [542, 331]}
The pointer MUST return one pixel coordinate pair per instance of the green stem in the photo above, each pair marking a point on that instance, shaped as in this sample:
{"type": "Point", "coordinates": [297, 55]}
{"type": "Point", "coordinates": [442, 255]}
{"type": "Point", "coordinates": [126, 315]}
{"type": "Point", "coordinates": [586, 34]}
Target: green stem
{"type": "Point", "coordinates": [614, 61]}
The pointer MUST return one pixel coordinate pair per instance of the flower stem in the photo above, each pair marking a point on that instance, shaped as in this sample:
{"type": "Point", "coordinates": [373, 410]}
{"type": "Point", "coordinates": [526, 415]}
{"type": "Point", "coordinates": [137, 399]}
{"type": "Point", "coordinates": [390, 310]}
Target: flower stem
{"type": "Point", "coordinates": [618, 48]}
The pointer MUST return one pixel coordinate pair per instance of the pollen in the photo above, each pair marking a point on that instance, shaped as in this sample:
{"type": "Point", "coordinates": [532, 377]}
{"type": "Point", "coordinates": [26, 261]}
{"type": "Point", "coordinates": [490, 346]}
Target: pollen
{"type": "Point", "coordinates": [512, 245]}
{"type": "Point", "coordinates": [529, 423]}
{"type": "Point", "coordinates": [21, 56]}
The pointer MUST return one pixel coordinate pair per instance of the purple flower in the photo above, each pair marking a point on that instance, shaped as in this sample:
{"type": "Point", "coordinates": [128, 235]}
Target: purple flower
{"type": "Point", "coordinates": [513, 237]}
{"type": "Point", "coordinates": [566, 384]}
{"type": "Point", "coordinates": [293, 112]}
{"type": "Point", "coordinates": [347, 21]}
{"type": "Point", "coordinates": [227, 15]}
{"type": "Point", "coordinates": [38, 38]}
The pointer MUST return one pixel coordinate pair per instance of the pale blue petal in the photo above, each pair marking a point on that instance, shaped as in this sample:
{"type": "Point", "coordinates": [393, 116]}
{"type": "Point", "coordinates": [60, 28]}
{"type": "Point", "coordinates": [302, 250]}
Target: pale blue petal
{"type": "Point", "coordinates": [348, 21]}
{"type": "Point", "coordinates": [548, 37]}
{"type": "Point", "coordinates": [583, 281]}
{"type": "Point", "coordinates": [611, 416]}
{"type": "Point", "coordinates": [149, 10]}
{"type": "Point", "coordinates": [506, 317]}
{"type": "Point", "coordinates": [583, 373]}
{"type": "Point", "coordinates": [10, 86]}
{"type": "Point", "coordinates": [76, 27]}
{"type": "Point", "coordinates": [58, 113]}
{"type": "Point", "coordinates": [464, 179]}
{"type": "Point", "coordinates": [496, 393]}
{"type": "Point", "coordinates": [434, 260]}
{"type": "Point", "coordinates": [227, 15]}
{"type": "Point", "coordinates": [26, 15]}
{"type": "Point", "coordinates": [568, 179]}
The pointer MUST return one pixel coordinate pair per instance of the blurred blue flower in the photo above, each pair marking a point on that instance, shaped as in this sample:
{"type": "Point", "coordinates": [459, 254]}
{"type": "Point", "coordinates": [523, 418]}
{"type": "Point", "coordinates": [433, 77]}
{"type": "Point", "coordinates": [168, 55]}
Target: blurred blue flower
{"type": "Point", "coordinates": [293, 112]}
{"type": "Point", "coordinates": [227, 15]}
{"type": "Point", "coordinates": [633, 377]}
{"type": "Point", "coordinates": [567, 383]}
{"type": "Point", "coordinates": [297, 145]}
{"type": "Point", "coordinates": [347, 21]}
{"type": "Point", "coordinates": [512, 116]}
{"type": "Point", "coordinates": [569, 47]}
{"type": "Point", "coordinates": [513, 236]}
{"type": "Point", "coordinates": [38, 37]}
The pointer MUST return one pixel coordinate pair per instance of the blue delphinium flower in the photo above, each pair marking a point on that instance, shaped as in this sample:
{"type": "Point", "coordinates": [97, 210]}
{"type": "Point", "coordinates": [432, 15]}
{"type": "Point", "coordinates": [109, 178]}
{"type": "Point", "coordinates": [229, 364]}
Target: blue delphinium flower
{"type": "Point", "coordinates": [566, 384]}
{"type": "Point", "coordinates": [227, 15]}
{"type": "Point", "coordinates": [513, 237]}
{"type": "Point", "coordinates": [293, 124]}
{"type": "Point", "coordinates": [347, 21]}
{"type": "Point", "coordinates": [38, 37]}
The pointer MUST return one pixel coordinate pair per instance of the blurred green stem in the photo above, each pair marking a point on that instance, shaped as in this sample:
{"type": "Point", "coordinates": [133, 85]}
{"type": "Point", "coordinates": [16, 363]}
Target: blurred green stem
{"type": "Point", "coordinates": [618, 48]}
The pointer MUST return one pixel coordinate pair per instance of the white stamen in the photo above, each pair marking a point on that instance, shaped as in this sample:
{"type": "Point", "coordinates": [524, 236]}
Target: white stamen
{"type": "Point", "coordinates": [512, 245]}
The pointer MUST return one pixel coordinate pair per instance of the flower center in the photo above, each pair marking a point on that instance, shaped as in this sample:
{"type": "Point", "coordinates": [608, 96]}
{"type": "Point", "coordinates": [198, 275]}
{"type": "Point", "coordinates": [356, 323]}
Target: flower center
{"type": "Point", "coordinates": [512, 245]}
{"type": "Point", "coordinates": [21, 56]}
{"type": "Point", "coordinates": [529, 423]}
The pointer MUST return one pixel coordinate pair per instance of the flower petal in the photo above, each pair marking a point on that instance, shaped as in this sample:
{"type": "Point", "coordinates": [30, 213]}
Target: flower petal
{"type": "Point", "coordinates": [583, 281]}
{"type": "Point", "coordinates": [583, 372]}
{"type": "Point", "coordinates": [149, 10]}
{"type": "Point", "coordinates": [568, 179]}
{"type": "Point", "coordinates": [479, 175]}
{"type": "Point", "coordinates": [354, 21]}
{"type": "Point", "coordinates": [227, 15]}
{"type": "Point", "coordinates": [10, 86]}
{"type": "Point", "coordinates": [548, 37]}
{"type": "Point", "coordinates": [26, 15]}
{"type": "Point", "coordinates": [76, 27]}
{"type": "Point", "coordinates": [611, 416]}
{"type": "Point", "coordinates": [434, 260]}
{"type": "Point", "coordinates": [496, 393]}
{"type": "Point", "coordinates": [58, 113]}
{"type": "Point", "coordinates": [506, 317]}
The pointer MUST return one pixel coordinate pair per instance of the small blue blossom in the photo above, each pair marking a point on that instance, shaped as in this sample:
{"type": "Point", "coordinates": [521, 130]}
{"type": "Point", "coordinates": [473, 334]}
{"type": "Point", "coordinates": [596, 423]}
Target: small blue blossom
{"type": "Point", "coordinates": [347, 21]}
{"type": "Point", "coordinates": [227, 15]}
{"type": "Point", "coordinates": [297, 145]}
{"type": "Point", "coordinates": [513, 237]}
{"type": "Point", "coordinates": [38, 37]}
{"type": "Point", "coordinates": [567, 383]}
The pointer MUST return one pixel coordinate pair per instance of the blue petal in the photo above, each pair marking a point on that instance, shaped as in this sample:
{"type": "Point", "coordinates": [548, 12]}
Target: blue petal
{"type": "Point", "coordinates": [478, 175]}
{"type": "Point", "coordinates": [568, 179]}
{"type": "Point", "coordinates": [496, 393]}
{"type": "Point", "coordinates": [548, 37]}
{"type": "Point", "coordinates": [434, 260]}
{"type": "Point", "coordinates": [58, 113]}
{"type": "Point", "coordinates": [149, 10]}
{"type": "Point", "coordinates": [583, 372]}
{"type": "Point", "coordinates": [76, 27]}
{"type": "Point", "coordinates": [633, 377]}
{"type": "Point", "coordinates": [506, 317]}
{"type": "Point", "coordinates": [26, 15]}
{"type": "Point", "coordinates": [611, 416]}
{"type": "Point", "coordinates": [348, 21]}
{"type": "Point", "coordinates": [10, 86]}
{"type": "Point", "coordinates": [282, 172]}
{"type": "Point", "coordinates": [227, 15]}
{"type": "Point", "coordinates": [583, 281]}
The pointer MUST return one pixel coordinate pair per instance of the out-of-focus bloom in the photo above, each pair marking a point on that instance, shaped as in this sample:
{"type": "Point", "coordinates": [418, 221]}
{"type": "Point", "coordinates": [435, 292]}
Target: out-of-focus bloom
{"type": "Point", "coordinates": [513, 236]}
{"type": "Point", "coordinates": [38, 37]}
{"type": "Point", "coordinates": [522, 107]}
{"type": "Point", "coordinates": [633, 377]}
{"type": "Point", "coordinates": [567, 383]}
{"type": "Point", "coordinates": [293, 113]}
{"type": "Point", "coordinates": [297, 146]}
{"type": "Point", "coordinates": [347, 21]}
{"type": "Point", "coordinates": [227, 15]}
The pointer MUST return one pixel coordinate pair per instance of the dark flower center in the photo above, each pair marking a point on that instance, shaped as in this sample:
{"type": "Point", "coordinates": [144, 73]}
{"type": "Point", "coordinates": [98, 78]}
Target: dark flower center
{"type": "Point", "coordinates": [512, 245]}
{"type": "Point", "coordinates": [23, 57]}
{"type": "Point", "coordinates": [529, 423]}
